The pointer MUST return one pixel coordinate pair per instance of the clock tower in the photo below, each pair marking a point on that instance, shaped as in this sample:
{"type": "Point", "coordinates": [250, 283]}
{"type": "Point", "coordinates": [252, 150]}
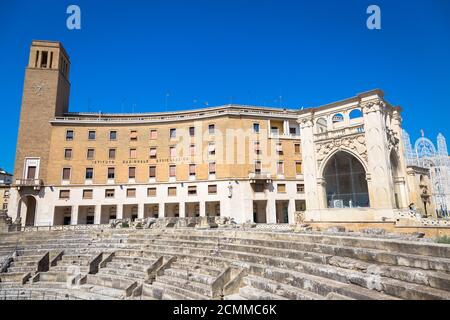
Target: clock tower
{"type": "Point", "coordinates": [45, 96]}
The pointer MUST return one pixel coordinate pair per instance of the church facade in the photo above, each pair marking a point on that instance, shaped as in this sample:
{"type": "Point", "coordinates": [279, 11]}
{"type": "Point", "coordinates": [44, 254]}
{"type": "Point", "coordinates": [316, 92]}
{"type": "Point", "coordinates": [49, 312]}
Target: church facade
{"type": "Point", "coordinates": [341, 162]}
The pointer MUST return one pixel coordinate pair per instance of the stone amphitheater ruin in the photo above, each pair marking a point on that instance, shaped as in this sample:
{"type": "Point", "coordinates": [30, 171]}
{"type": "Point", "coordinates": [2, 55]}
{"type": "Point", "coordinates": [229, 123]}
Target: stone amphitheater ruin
{"type": "Point", "coordinates": [196, 258]}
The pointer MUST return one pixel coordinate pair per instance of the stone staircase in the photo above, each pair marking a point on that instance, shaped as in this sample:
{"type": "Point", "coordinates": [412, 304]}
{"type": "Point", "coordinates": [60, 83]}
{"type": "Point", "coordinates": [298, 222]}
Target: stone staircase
{"type": "Point", "coordinates": [232, 264]}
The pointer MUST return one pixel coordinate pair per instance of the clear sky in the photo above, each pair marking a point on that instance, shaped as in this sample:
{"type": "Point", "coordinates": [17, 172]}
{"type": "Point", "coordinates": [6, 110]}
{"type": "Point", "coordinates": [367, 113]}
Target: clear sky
{"type": "Point", "coordinates": [147, 56]}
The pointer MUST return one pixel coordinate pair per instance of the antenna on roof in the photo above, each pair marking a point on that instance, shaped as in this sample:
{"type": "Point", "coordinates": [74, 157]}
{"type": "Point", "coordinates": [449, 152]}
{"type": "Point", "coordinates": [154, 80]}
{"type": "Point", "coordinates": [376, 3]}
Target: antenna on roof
{"type": "Point", "coordinates": [132, 107]}
{"type": "Point", "coordinates": [166, 100]}
{"type": "Point", "coordinates": [122, 105]}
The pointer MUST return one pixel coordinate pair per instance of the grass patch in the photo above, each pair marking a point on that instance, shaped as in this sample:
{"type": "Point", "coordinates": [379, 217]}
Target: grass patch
{"type": "Point", "coordinates": [443, 239]}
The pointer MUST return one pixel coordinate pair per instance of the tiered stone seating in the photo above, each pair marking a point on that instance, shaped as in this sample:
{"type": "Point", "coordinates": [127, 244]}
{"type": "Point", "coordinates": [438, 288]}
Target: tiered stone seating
{"type": "Point", "coordinates": [185, 263]}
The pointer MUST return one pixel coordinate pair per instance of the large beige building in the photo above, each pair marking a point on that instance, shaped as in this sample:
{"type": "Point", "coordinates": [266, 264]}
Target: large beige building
{"type": "Point", "coordinates": [339, 162]}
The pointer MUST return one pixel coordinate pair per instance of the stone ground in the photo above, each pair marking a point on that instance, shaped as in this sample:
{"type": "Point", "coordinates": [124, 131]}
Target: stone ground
{"type": "Point", "coordinates": [222, 263]}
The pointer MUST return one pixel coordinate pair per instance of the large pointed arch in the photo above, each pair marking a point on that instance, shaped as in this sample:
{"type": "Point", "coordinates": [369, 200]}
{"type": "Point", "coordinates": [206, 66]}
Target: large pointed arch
{"type": "Point", "coordinates": [345, 180]}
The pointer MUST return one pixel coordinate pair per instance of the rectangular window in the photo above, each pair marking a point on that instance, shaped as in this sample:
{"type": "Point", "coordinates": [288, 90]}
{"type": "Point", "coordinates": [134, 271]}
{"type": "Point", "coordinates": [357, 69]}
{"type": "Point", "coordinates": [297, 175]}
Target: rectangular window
{"type": "Point", "coordinates": [257, 146]}
{"type": "Point", "coordinates": [281, 188]}
{"type": "Point", "coordinates": [192, 170]}
{"type": "Point", "coordinates": [152, 172]}
{"type": "Point", "coordinates": [297, 148]}
{"type": "Point", "coordinates": [152, 153]}
{"type": "Point", "coordinates": [258, 167]}
{"type": "Point", "coordinates": [153, 134]}
{"type": "Point", "coordinates": [211, 129]}
{"type": "Point", "coordinates": [300, 188]}
{"type": "Point", "coordinates": [280, 167]}
{"type": "Point", "coordinates": [111, 173]}
{"type": "Point", "coordinates": [44, 57]}
{"type": "Point", "coordinates": [133, 135]}
{"type": "Point", "coordinates": [211, 148]}
{"type": "Point", "coordinates": [292, 131]}
{"type": "Point", "coordinates": [172, 191]}
{"type": "Point", "coordinates": [112, 153]}
{"type": "Point", "coordinates": [173, 152]}
{"type": "Point", "coordinates": [151, 192]}
{"type": "Point", "coordinates": [90, 154]}
{"type": "Point", "coordinates": [173, 133]}
{"type": "Point", "coordinates": [131, 193]}
{"type": "Point", "coordinates": [133, 153]}
{"type": "Point", "coordinates": [31, 172]}
{"type": "Point", "coordinates": [298, 167]}
{"type": "Point", "coordinates": [192, 150]}
{"type": "Point", "coordinates": [192, 190]}
{"type": "Point", "coordinates": [113, 135]}
{"type": "Point", "coordinates": [109, 193]}
{"type": "Point", "coordinates": [64, 194]}
{"type": "Point", "coordinates": [91, 135]}
{"type": "Point", "coordinates": [87, 194]}
{"type": "Point", "coordinates": [172, 171]}
{"type": "Point", "coordinates": [212, 189]}
{"type": "Point", "coordinates": [212, 168]}
{"type": "Point", "coordinates": [131, 172]}
{"type": "Point", "coordinates": [89, 173]}
{"type": "Point", "coordinates": [279, 148]}
{"type": "Point", "coordinates": [68, 153]}
{"type": "Point", "coordinates": [69, 135]}
{"type": "Point", "coordinates": [256, 127]}
{"type": "Point", "coordinates": [191, 131]}
{"type": "Point", "coordinates": [65, 175]}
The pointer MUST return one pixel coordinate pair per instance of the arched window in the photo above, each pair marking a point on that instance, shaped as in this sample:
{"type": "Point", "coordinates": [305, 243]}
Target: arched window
{"type": "Point", "coordinates": [338, 117]}
{"type": "Point", "coordinates": [346, 184]}
{"type": "Point", "coordinates": [321, 125]}
{"type": "Point", "coordinates": [355, 113]}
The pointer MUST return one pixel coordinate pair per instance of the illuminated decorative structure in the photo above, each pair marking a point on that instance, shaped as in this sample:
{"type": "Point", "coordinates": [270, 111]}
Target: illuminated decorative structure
{"type": "Point", "coordinates": [424, 154]}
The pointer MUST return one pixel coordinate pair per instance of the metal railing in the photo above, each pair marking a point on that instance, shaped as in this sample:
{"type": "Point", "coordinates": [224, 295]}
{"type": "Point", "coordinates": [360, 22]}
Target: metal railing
{"type": "Point", "coordinates": [29, 182]}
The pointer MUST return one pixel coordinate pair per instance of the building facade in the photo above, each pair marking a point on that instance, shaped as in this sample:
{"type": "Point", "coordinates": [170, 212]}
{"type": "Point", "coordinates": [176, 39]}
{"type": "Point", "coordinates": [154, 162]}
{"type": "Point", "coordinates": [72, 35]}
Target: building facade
{"type": "Point", "coordinates": [339, 162]}
{"type": "Point", "coordinates": [5, 186]}
{"type": "Point", "coordinates": [424, 154]}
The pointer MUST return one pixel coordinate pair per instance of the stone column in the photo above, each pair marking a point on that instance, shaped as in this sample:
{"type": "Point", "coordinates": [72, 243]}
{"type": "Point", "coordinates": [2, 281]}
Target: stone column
{"type": "Point", "coordinates": [202, 209]}
{"type": "Point", "coordinates": [312, 193]}
{"type": "Point", "coordinates": [97, 214]}
{"type": "Point", "coordinates": [119, 211]}
{"type": "Point", "coordinates": [271, 211]}
{"type": "Point", "coordinates": [140, 211]}
{"type": "Point", "coordinates": [74, 215]}
{"type": "Point", "coordinates": [161, 210]}
{"type": "Point", "coordinates": [182, 209]}
{"type": "Point", "coordinates": [291, 211]}
{"type": "Point", "coordinates": [381, 186]}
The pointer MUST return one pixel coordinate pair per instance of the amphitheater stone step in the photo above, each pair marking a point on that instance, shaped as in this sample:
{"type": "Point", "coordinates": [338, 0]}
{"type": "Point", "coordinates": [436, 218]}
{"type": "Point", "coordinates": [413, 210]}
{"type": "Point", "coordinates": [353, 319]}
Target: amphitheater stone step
{"type": "Point", "coordinates": [251, 293]}
{"type": "Point", "coordinates": [165, 291]}
{"type": "Point", "coordinates": [316, 284]}
{"type": "Point", "coordinates": [280, 289]}
{"type": "Point", "coordinates": [103, 292]}
{"type": "Point", "coordinates": [189, 275]}
{"type": "Point", "coordinates": [123, 273]}
{"type": "Point", "coordinates": [199, 288]}
{"type": "Point", "coordinates": [199, 268]}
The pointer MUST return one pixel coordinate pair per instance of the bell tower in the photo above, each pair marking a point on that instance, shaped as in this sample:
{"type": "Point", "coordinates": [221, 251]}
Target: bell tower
{"type": "Point", "coordinates": [45, 95]}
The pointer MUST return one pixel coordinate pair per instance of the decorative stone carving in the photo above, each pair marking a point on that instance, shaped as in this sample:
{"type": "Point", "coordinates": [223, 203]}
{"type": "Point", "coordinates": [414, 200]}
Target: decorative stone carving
{"type": "Point", "coordinates": [392, 139]}
{"type": "Point", "coordinates": [354, 143]}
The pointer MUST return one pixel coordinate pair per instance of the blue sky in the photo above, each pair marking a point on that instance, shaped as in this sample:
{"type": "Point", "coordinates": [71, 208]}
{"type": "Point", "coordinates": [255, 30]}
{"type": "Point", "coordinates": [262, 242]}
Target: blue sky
{"type": "Point", "coordinates": [129, 54]}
